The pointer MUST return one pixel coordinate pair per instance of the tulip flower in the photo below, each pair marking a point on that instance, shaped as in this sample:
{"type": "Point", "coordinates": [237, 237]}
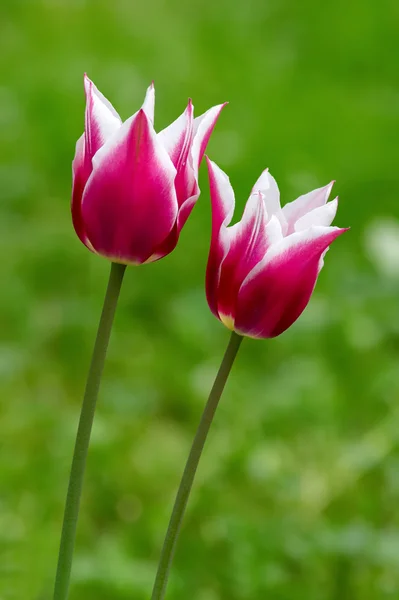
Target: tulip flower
{"type": "Point", "coordinates": [262, 271]}
{"type": "Point", "coordinates": [133, 189]}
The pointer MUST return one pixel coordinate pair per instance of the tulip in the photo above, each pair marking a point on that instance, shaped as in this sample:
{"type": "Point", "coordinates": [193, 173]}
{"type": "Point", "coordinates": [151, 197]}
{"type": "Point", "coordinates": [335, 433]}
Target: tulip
{"type": "Point", "coordinates": [133, 189]}
{"type": "Point", "coordinates": [262, 271]}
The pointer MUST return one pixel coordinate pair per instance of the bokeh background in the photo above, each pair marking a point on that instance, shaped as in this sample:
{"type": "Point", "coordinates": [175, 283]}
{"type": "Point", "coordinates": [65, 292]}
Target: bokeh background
{"type": "Point", "coordinates": [297, 496]}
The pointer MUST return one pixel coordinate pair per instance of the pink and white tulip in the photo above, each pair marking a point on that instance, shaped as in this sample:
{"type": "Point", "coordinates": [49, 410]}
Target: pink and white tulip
{"type": "Point", "coordinates": [262, 271]}
{"type": "Point", "coordinates": [133, 189]}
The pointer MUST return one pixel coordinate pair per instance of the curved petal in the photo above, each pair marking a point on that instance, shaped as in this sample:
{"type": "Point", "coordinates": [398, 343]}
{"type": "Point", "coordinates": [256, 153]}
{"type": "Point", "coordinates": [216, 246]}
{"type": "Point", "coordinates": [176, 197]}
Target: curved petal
{"type": "Point", "coordinates": [101, 119]}
{"type": "Point", "coordinates": [269, 188]}
{"type": "Point", "coordinates": [222, 196]}
{"type": "Point", "coordinates": [176, 138]}
{"type": "Point", "coordinates": [323, 215]}
{"type": "Point", "coordinates": [80, 175]}
{"type": "Point", "coordinates": [129, 204]}
{"type": "Point", "coordinates": [304, 204]}
{"type": "Point", "coordinates": [187, 187]}
{"type": "Point", "coordinates": [149, 102]}
{"type": "Point", "coordinates": [202, 128]}
{"type": "Point", "coordinates": [222, 202]}
{"type": "Point", "coordinates": [249, 241]}
{"type": "Point", "coordinates": [277, 291]}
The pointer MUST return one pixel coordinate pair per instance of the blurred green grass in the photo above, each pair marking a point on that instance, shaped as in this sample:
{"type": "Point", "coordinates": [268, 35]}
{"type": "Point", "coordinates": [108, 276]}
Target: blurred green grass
{"type": "Point", "coordinates": [297, 494]}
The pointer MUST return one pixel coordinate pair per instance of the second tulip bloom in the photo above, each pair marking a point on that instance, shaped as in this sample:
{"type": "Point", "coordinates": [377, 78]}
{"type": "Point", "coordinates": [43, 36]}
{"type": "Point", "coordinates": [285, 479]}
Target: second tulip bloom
{"type": "Point", "coordinates": [262, 271]}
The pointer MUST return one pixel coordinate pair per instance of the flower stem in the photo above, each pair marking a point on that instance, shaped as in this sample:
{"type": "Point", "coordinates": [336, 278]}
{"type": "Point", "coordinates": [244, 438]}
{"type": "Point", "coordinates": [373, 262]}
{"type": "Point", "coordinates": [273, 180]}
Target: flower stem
{"type": "Point", "coordinates": [83, 435]}
{"type": "Point", "coordinates": [186, 483]}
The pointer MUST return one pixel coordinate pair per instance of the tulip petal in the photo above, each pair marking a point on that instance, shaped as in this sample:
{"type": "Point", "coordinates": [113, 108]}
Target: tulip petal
{"type": "Point", "coordinates": [188, 182]}
{"type": "Point", "coordinates": [278, 289]}
{"type": "Point", "coordinates": [149, 102]}
{"type": "Point", "coordinates": [304, 204]}
{"type": "Point", "coordinates": [222, 202]}
{"type": "Point", "coordinates": [203, 127]}
{"type": "Point", "coordinates": [185, 140]}
{"type": "Point", "coordinates": [176, 138]}
{"type": "Point", "coordinates": [249, 241]}
{"type": "Point", "coordinates": [101, 119]}
{"type": "Point", "coordinates": [323, 215]}
{"type": "Point", "coordinates": [129, 204]}
{"type": "Point", "coordinates": [222, 196]}
{"type": "Point", "coordinates": [80, 175]}
{"type": "Point", "coordinates": [269, 188]}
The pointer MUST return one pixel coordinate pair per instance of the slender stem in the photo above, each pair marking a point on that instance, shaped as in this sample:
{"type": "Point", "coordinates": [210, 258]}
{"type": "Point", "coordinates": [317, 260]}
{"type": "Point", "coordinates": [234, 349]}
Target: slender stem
{"type": "Point", "coordinates": [83, 435]}
{"type": "Point", "coordinates": [186, 483]}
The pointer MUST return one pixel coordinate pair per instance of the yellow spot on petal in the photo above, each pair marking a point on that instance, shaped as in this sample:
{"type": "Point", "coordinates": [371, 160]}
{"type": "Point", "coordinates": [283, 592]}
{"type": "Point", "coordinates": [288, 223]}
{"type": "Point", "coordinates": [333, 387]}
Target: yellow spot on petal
{"type": "Point", "coordinates": [227, 321]}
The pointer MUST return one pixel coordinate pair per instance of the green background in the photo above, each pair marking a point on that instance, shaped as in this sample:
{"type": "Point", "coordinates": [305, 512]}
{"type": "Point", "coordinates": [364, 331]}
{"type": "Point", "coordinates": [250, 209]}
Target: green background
{"type": "Point", "coordinates": [297, 496]}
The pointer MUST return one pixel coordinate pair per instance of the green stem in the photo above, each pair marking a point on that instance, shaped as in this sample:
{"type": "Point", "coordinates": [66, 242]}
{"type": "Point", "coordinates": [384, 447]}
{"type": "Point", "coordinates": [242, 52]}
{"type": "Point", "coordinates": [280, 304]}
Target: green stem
{"type": "Point", "coordinates": [83, 435]}
{"type": "Point", "coordinates": [186, 483]}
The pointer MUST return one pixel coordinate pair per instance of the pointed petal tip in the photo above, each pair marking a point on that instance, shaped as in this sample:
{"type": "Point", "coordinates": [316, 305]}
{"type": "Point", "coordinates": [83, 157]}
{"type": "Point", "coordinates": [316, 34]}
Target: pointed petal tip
{"type": "Point", "coordinates": [209, 163]}
{"type": "Point", "coordinates": [329, 187]}
{"type": "Point", "coordinates": [214, 170]}
{"type": "Point", "coordinates": [190, 108]}
{"type": "Point", "coordinates": [265, 171]}
{"type": "Point", "coordinates": [87, 82]}
{"type": "Point", "coordinates": [336, 231]}
{"type": "Point", "coordinates": [334, 201]}
{"type": "Point", "coordinates": [220, 107]}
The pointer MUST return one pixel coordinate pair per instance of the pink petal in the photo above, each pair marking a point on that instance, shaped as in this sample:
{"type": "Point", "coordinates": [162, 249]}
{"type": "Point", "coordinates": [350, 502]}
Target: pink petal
{"type": "Point", "coordinates": [187, 188]}
{"type": "Point", "coordinates": [304, 204]}
{"type": "Point", "coordinates": [177, 140]}
{"type": "Point", "coordinates": [203, 127]}
{"type": "Point", "coordinates": [129, 203]}
{"type": "Point", "coordinates": [149, 102]}
{"type": "Point", "coordinates": [222, 201]}
{"type": "Point", "coordinates": [249, 241]}
{"type": "Point", "coordinates": [101, 119]}
{"type": "Point", "coordinates": [185, 141]}
{"type": "Point", "coordinates": [177, 137]}
{"type": "Point", "coordinates": [222, 196]}
{"type": "Point", "coordinates": [80, 174]}
{"type": "Point", "coordinates": [187, 180]}
{"type": "Point", "coordinates": [276, 292]}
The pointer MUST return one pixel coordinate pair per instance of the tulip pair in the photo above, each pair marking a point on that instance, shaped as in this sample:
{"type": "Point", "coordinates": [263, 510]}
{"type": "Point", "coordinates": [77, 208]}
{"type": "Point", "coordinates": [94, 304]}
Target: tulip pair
{"type": "Point", "coordinates": [133, 190]}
